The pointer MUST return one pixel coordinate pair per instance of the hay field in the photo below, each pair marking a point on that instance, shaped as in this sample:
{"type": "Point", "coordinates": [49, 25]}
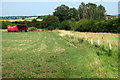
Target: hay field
{"type": "Point", "coordinates": [104, 38]}
{"type": "Point", "coordinates": [26, 19]}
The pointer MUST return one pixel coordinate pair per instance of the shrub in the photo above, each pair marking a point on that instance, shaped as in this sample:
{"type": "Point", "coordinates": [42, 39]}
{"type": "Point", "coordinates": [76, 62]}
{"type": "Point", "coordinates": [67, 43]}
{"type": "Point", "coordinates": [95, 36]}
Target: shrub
{"type": "Point", "coordinates": [65, 25]}
{"type": "Point", "coordinates": [83, 25]}
{"type": "Point", "coordinates": [4, 24]}
{"type": "Point", "coordinates": [50, 22]}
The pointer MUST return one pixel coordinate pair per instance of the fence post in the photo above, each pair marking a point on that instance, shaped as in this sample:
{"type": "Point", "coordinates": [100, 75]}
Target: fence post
{"type": "Point", "coordinates": [91, 41]}
{"type": "Point", "coordinates": [110, 46]}
{"type": "Point", "coordinates": [98, 42]}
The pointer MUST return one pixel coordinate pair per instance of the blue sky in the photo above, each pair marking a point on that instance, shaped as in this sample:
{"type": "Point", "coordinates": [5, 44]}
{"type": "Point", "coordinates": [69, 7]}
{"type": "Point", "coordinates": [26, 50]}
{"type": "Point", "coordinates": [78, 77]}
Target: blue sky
{"type": "Point", "coordinates": [45, 8]}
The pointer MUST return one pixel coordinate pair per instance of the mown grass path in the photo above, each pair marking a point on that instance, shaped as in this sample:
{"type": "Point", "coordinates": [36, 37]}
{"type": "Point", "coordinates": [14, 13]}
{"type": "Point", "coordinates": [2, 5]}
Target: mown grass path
{"type": "Point", "coordinates": [47, 55]}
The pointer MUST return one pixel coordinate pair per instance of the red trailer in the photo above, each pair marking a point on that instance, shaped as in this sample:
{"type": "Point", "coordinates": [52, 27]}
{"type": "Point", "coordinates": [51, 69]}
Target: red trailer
{"type": "Point", "coordinates": [17, 28]}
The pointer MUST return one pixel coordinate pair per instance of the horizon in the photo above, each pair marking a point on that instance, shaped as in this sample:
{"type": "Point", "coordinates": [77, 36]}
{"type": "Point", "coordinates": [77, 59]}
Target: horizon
{"type": "Point", "coordinates": [47, 8]}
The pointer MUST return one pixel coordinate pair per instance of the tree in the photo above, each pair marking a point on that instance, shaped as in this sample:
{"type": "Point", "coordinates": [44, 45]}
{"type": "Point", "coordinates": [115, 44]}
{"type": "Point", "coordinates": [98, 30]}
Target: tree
{"type": "Point", "coordinates": [62, 12]}
{"type": "Point", "coordinates": [101, 12]}
{"type": "Point", "coordinates": [66, 25]}
{"type": "Point", "coordinates": [73, 14]}
{"type": "Point", "coordinates": [51, 22]}
{"type": "Point", "coordinates": [83, 25]}
{"type": "Point", "coordinates": [91, 11]}
{"type": "Point", "coordinates": [34, 20]}
{"type": "Point", "coordinates": [5, 23]}
{"type": "Point", "coordinates": [40, 17]}
{"type": "Point", "coordinates": [82, 11]}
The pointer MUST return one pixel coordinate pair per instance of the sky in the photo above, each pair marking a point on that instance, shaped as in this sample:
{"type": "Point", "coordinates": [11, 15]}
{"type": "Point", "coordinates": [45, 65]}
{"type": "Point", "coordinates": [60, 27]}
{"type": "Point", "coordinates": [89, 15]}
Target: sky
{"type": "Point", "coordinates": [46, 8]}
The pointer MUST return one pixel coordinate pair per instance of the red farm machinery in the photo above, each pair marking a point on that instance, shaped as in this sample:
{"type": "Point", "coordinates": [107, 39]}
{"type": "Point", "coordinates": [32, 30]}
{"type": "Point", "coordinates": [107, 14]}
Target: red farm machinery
{"type": "Point", "coordinates": [17, 28]}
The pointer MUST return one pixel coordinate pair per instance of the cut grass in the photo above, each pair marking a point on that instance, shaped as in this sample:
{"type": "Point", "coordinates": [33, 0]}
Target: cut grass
{"type": "Point", "coordinates": [47, 55]}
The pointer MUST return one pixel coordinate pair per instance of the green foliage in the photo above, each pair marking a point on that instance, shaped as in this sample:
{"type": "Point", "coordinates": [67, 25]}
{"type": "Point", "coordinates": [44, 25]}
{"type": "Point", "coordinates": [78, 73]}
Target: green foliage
{"type": "Point", "coordinates": [66, 25]}
{"type": "Point", "coordinates": [62, 12]}
{"type": "Point", "coordinates": [4, 24]}
{"type": "Point", "coordinates": [83, 25]}
{"type": "Point", "coordinates": [74, 14]}
{"type": "Point", "coordinates": [85, 11]}
{"type": "Point", "coordinates": [104, 51]}
{"type": "Point", "coordinates": [51, 22]}
{"type": "Point", "coordinates": [90, 11]}
{"type": "Point", "coordinates": [34, 20]}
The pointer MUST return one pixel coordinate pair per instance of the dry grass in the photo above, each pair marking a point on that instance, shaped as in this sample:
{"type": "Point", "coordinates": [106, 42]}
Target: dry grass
{"type": "Point", "coordinates": [104, 38]}
{"type": "Point", "coordinates": [26, 19]}
{"type": "Point", "coordinates": [3, 29]}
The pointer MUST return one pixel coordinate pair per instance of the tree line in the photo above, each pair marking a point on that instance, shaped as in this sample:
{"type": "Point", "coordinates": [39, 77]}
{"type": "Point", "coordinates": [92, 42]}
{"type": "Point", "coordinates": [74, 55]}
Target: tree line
{"type": "Point", "coordinates": [85, 11]}
{"type": "Point", "coordinates": [87, 18]}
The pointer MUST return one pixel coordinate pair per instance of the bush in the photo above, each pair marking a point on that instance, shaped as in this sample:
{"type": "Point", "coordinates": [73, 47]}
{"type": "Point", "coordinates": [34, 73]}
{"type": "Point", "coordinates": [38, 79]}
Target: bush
{"type": "Point", "coordinates": [65, 25]}
{"type": "Point", "coordinates": [50, 22]}
{"type": "Point", "coordinates": [83, 25]}
{"type": "Point", "coordinates": [4, 24]}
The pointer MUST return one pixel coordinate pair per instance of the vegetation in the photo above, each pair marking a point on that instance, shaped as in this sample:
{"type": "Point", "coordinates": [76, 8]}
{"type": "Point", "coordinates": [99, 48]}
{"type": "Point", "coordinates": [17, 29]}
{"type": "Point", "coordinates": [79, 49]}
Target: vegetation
{"type": "Point", "coordinates": [5, 23]}
{"type": "Point", "coordinates": [14, 17]}
{"type": "Point", "coordinates": [47, 55]}
{"type": "Point", "coordinates": [41, 17]}
{"type": "Point", "coordinates": [62, 12]}
{"type": "Point", "coordinates": [82, 19]}
{"type": "Point", "coordinates": [85, 11]}
{"type": "Point", "coordinates": [90, 11]}
{"type": "Point", "coordinates": [84, 25]}
{"type": "Point", "coordinates": [51, 22]}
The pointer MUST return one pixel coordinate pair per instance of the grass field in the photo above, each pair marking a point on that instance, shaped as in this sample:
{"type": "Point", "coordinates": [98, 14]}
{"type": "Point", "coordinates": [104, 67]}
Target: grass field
{"type": "Point", "coordinates": [48, 55]}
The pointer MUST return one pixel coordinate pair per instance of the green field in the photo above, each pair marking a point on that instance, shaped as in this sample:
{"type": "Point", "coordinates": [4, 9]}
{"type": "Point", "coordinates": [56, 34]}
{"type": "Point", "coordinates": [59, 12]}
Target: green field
{"type": "Point", "coordinates": [48, 55]}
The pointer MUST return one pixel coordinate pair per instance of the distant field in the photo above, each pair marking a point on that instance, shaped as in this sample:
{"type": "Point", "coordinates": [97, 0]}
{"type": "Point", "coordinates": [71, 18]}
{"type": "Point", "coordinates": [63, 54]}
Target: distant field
{"type": "Point", "coordinates": [26, 19]}
{"type": "Point", "coordinates": [48, 55]}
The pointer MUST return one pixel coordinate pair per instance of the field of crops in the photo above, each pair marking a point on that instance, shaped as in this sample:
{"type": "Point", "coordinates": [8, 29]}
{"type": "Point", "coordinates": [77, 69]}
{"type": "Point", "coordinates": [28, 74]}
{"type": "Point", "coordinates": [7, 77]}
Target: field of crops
{"type": "Point", "coordinates": [48, 55]}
